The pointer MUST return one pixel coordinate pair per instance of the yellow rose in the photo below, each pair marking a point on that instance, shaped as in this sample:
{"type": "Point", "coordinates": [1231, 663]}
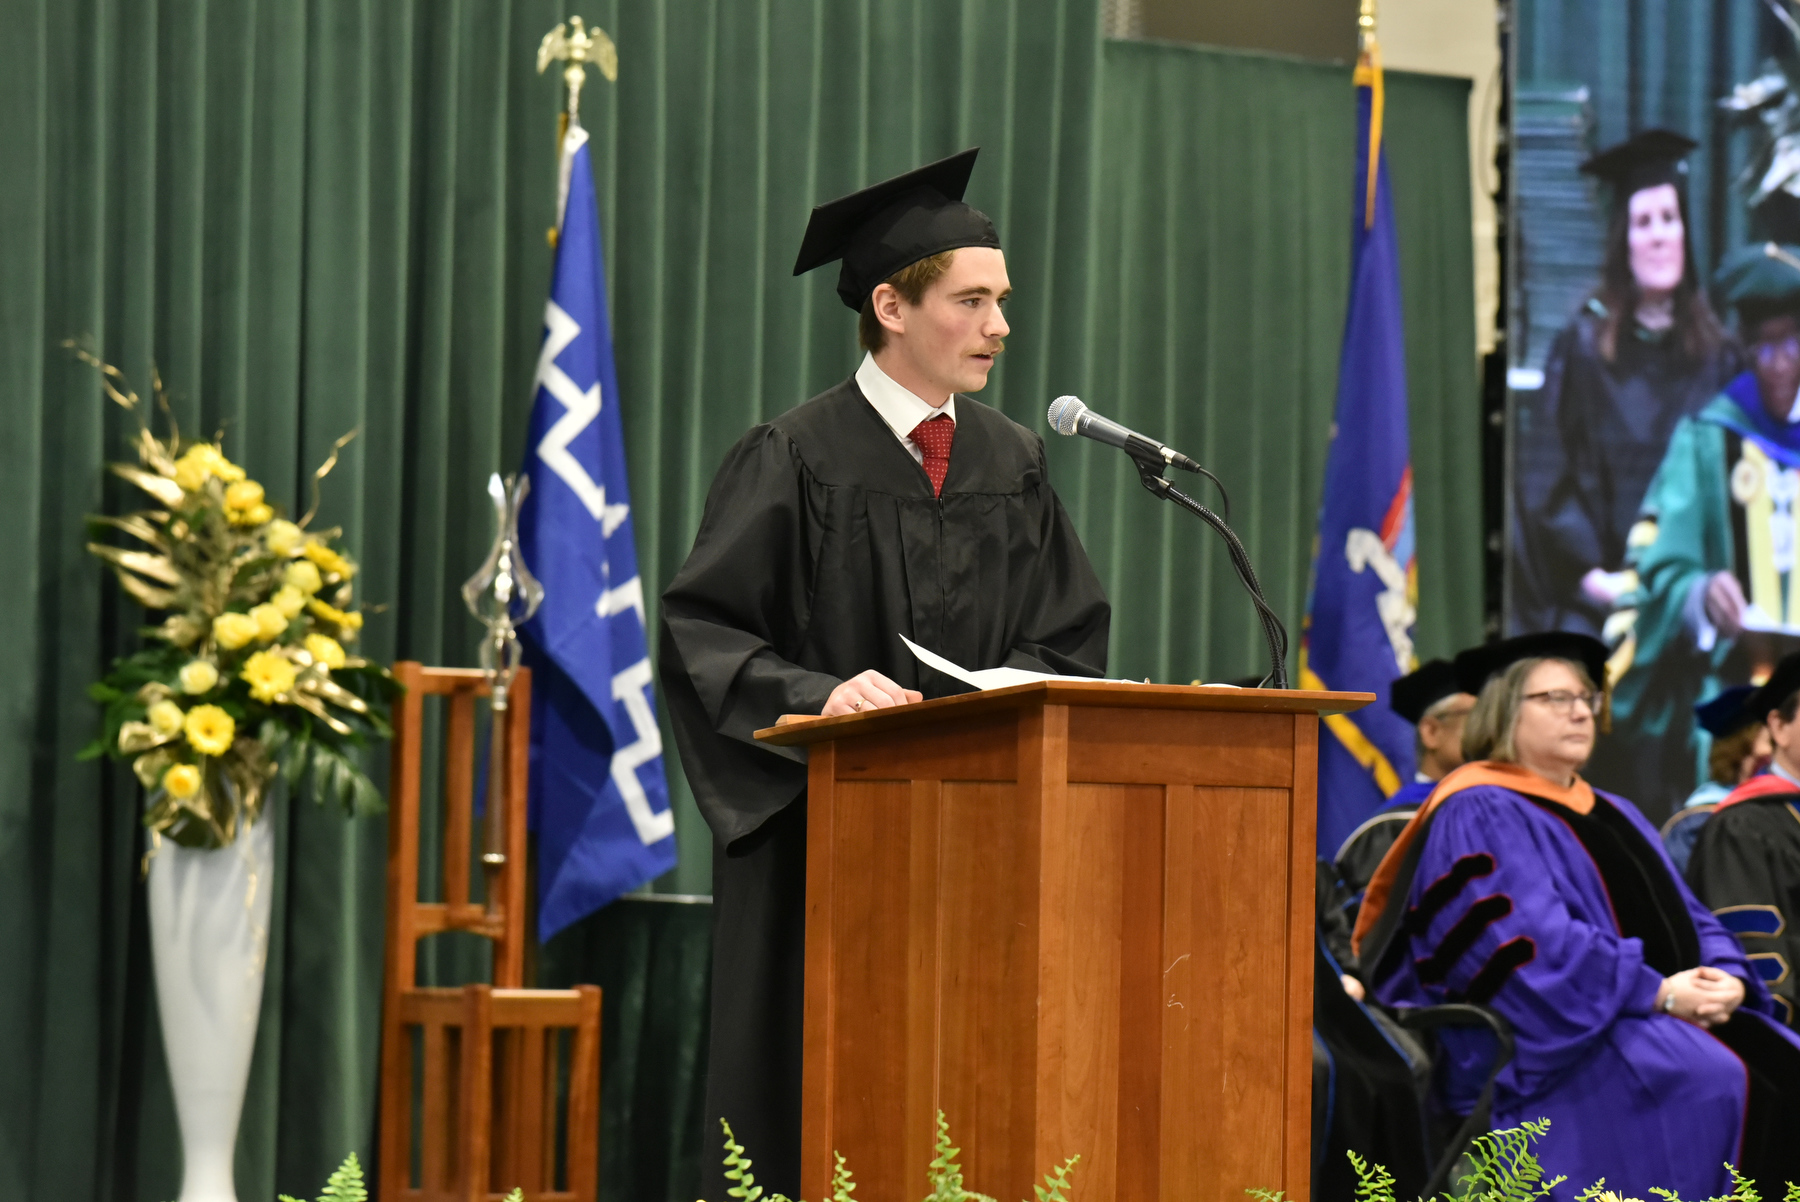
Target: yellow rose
{"type": "Point", "coordinates": [304, 576]}
{"type": "Point", "coordinates": [210, 730]}
{"type": "Point", "coordinates": [256, 515]}
{"type": "Point", "coordinates": [268, 675]}
{"type": "Point", "coordinates": [326, 650]}
{"type": "Point", "coordinates": [289, 600]}
{"type": "Point", "coordinates": [245, 494]}
{"type": "Point", "coordinates": [196, 464]}
{"type": "Point", "coordinates": [282, 537]}
{"type": "Point", "coordinates": [198, 676]}
{"type": "Point", "coordinates": [235, 630]}
{"type": "Point", "coordinates": [166, 719]}
{"type": "Point", "coordinates": [227, 471]}
{"type": "Point", "coordinates": [329, 561]}
{"type": "Point", "coordinates": [269, 619]}
{"type": "Point", "coordinates": [190, 474]}
{"type": "Point", "coordinates": [351, 621]}
{"type": "Point", "coordinates": [182, 781]}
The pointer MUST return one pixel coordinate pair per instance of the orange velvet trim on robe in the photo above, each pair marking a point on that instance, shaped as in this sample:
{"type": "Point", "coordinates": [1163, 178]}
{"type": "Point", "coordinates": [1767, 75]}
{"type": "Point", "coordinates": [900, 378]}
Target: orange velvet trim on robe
{"type": "Point", "coordinates": [1578, 797]}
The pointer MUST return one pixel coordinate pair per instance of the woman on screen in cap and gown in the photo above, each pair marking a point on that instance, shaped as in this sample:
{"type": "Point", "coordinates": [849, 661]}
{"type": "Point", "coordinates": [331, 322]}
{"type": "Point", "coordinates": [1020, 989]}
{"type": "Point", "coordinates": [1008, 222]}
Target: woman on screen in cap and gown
{"type": "Point", "coordinates": [888, 505]}
{"type": "Point", "coordinates": [1722, 511]}
{"type": "Point", "coordinates": [1644, 352]}
{"type": "Point", "coordinates": [1643, 1033]}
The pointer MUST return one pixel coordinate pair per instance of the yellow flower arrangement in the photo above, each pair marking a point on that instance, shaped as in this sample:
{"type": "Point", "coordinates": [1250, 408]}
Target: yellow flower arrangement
{"type": "Point", "coordinates": [303, 575]}
{"type": "Point", "coordinates": [246, 675]}
{"type": "Point", "coordinates": [182, 781]}
{"type": "Point", "coordinates": [269, 675]}
{"type": "Point", "coordinates": [232, 631]}
{"type": "Point", "coordinates": [351, 621]}
{"type": "Point", "coordinates": [325, 650]}
{"type": "Point", "coordinates": [281, 537]}
{"type": "Point", "coordinates": [270, 621]}
{"type": "Point", "coordinates": [328, 561]}
{"type": "Point", "coordinates": [166, 718]}
{"type": "Point", "coordinates": [210, 730]}
{"type": "Point", "coordinates": [198, 676]}
{"type": "Point", "coordinates": [289, 600]}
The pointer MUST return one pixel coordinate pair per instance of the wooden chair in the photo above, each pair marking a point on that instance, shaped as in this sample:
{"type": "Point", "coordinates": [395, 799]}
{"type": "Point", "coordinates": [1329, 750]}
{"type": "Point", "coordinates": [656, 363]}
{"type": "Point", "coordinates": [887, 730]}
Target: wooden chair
{"type": "Point", "coordinates": [488, 1056]}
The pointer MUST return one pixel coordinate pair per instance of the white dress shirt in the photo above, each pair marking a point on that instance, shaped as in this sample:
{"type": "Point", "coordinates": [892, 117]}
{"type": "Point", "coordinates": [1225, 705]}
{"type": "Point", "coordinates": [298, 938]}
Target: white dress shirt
{"type": "Point", "coordinates": [900, 409]}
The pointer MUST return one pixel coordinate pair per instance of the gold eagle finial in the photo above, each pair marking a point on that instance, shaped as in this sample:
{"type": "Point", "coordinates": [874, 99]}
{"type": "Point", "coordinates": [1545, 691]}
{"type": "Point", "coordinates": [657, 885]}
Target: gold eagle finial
{"type": "Point", "coordinates": [578, 46]}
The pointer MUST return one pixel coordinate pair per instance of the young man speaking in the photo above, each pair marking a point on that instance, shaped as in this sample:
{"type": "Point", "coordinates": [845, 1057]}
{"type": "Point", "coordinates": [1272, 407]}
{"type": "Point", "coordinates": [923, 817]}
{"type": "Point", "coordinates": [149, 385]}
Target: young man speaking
{"type": "Point", "coordinates": [887, 505]}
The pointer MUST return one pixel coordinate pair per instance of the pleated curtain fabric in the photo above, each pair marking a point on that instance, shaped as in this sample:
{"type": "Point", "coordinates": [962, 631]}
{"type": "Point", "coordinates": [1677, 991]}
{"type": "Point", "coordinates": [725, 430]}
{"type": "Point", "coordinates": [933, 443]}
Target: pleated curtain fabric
{"type": "Point", "coordinates": [313, 216]}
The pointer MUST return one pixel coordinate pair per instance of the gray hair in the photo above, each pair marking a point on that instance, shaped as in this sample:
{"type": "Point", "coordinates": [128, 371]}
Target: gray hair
{"type": "Point", "coordinates": [1489, 732]}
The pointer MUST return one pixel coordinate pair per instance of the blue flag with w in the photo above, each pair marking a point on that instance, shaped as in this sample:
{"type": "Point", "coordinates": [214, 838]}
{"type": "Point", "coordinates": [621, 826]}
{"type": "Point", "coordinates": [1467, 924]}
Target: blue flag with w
{"type": "Point", "coordinates": [599, 800]}
{"type": "Point", "coordinates": [1359, 621]}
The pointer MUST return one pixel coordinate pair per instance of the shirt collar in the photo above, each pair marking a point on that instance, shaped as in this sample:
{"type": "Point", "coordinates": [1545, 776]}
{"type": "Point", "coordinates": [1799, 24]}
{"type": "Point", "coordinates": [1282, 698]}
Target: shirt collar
{"type": "Point", "coordinates": [900, 409]}
{"type": "Point", "coordinates": [1783, 773]}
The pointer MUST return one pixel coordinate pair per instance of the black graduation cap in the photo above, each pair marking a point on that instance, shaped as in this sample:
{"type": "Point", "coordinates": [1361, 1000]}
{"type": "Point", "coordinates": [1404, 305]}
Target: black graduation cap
{"type": "Point", "coordinates": [1783, 683]}
{"type": "Point", "coordinates": [894, 224]}
{"type": "Point", "coordinates": [1644, 160]}
{"type": "Point", "coordinates": [1418, 691]}
{"type": "Point", "coordinates": [1761, 280]}
{"type": "Point", "coordinates": [1728, 712]}
{"type": "Point", "coordinates": [1477, 664]}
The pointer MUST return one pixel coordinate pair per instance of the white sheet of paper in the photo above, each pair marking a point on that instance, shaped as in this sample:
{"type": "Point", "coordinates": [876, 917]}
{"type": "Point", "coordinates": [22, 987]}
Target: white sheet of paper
{"type": "Point", "coordinates": [986, 678]}
{"type": "Point", "coordinates": [1757, 618]}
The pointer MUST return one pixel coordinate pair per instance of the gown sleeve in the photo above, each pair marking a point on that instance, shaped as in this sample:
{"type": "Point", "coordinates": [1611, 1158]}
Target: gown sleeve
{"type": "Point", "coordinates": [1489, 926]}
{"type": "Point", "coordinates": [1687, 503]}
{"type": "Point", "coordinates": [1066, 619]}
{"type": "Point", "coordinates": [745, 590]}
{"type": "Point", "coordinates": [1745, 876]}
{"type": "Point", "coordinates": [1571, 515]}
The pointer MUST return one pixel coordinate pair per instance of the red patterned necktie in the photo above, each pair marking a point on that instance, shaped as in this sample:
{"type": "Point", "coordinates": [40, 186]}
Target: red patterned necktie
{"type": "Point", "coordinates": [933, 437]}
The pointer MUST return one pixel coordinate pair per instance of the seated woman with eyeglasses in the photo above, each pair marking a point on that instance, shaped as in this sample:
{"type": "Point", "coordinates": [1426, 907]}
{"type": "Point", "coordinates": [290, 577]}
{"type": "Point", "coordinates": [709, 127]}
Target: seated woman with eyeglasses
{"type": "Point", "coordinates": [1642, 1031]}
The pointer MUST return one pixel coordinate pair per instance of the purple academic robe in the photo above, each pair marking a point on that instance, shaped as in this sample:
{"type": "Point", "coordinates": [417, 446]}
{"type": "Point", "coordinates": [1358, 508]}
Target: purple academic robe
{"type": "Point", "coordinates": [1508, 909]}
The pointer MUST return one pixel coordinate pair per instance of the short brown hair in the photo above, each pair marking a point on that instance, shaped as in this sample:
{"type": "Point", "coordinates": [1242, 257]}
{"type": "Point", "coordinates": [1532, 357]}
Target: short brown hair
{"type": "Point", "coordinates": [1488, 734]}
{"type": "Point", "coordinates": [910, 282]}
{"type": "Point", "coordinates": [1728, 752]}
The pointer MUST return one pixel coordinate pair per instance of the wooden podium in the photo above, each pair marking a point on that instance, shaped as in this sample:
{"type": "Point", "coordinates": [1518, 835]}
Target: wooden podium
{"type": "Point", "coordinates": [1077, 918]}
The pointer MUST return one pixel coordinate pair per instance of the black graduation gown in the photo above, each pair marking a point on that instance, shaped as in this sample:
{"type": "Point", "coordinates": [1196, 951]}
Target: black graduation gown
{"type": "Point", "coordinates": [1745, 867]}
{"type": "Point", "coordinates": [821, 544]}
{"type": "Point", "coordinates": [1588, 444]}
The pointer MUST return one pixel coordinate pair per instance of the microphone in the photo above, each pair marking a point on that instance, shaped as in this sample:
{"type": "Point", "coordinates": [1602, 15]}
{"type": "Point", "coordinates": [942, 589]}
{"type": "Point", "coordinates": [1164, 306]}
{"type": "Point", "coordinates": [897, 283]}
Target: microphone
{"type": "Point", "coordinates": [1069, 416]}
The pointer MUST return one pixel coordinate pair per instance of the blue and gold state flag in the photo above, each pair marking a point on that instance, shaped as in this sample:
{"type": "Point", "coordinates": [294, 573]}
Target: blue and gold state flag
{"type": "Point", "coordinates": [599, 799]}
{"type": "Point", "coordinates": [1359, 621]}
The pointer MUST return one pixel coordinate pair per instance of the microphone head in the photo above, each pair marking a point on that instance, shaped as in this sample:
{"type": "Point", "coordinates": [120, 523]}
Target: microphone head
{"type": "Point", "coordinates": [1065, 411]}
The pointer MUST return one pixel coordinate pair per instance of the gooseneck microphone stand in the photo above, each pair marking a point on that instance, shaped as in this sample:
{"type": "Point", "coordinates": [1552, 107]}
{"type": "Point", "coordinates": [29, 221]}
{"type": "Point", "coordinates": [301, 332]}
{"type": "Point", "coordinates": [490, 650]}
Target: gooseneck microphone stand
{"type": "Point", "coordinates": [1150, 472]}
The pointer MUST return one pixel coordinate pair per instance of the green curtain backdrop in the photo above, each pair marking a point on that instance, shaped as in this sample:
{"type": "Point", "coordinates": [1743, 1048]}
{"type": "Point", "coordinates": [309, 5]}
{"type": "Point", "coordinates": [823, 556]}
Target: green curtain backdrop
{"type": "Point", "coordinates": [320, 215]}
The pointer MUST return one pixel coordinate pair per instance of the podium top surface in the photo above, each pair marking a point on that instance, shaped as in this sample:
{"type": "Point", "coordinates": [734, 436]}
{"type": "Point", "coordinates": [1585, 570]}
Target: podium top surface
{"type": "Point", "coordinates": [810, 728]}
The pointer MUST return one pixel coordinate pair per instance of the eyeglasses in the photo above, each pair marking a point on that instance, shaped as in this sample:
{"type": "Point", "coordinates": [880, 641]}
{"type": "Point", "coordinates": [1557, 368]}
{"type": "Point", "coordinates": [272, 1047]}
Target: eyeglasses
{"type": "Point", "coordinates": [1563, 701]}
{"type": "Point", "coordinates": [1769, 353]}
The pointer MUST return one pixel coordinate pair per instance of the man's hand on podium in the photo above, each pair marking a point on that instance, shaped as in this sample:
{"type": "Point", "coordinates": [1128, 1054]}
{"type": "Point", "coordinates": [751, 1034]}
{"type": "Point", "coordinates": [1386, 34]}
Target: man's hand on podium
{"type": "Point", "coordinates": [867, 691]}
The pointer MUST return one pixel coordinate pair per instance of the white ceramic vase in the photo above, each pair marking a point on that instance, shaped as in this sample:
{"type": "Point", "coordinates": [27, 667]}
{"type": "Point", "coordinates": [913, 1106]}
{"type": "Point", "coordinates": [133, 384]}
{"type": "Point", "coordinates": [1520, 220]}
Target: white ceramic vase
{"type": "Point", "coordinates": [209, 939]}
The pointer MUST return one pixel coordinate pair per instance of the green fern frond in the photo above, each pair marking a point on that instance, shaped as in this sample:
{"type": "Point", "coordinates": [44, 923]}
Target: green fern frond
{"type": "Point", "coordinates": [346, 1185]}
{"type": "Point", "coordinates": [1503, 1168]}
{"type": "Point", "coordinates": [518, 1195]}
{"type": "Point", "coordinates": [1667, 1195]}
{"type": "Point", "coordinates": [1264, 1195]}
{"type": "Point", "coordinates": [1057, 1181]}
{"type": "Point", "coordinates": [1373, 1182]}
{"type": "Point", "coordinates": [1793, 1193]}
{"type": "Point", "coordinates": [737, 1169]}
{"type": "Point", "coordinates": [1742, 1188]}
{"type": "Point", "coordinates": [842, 1184]}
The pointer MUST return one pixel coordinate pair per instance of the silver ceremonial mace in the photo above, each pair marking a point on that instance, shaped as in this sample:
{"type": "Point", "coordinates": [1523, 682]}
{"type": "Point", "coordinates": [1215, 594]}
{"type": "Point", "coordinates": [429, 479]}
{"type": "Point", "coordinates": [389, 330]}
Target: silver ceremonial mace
{"type": "Point", "coordinates": [502, 584]}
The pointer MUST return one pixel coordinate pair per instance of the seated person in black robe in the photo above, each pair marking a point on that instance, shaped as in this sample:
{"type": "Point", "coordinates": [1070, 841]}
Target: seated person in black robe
{"type": "Point", "coordinates": [1434, 702]}
{"type": "Point", "coordinates": [886, 506]}
{"type": "Point", "coordinates": [1745, 865]}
